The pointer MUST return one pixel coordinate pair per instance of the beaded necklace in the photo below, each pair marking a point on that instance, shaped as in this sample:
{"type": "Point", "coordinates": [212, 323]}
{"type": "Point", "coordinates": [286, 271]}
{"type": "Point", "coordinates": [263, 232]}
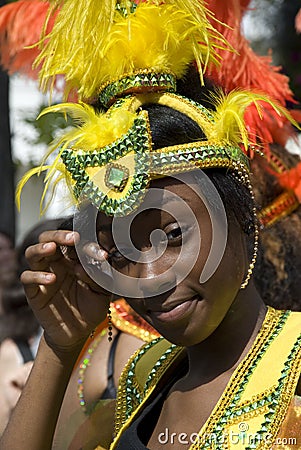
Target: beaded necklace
{"type": "Point", "coordinates": [123, 320]}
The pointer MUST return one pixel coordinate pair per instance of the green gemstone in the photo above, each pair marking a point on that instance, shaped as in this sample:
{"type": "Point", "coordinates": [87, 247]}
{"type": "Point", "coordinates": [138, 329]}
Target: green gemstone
{"type": "Point", "coordinates": [116, 176]}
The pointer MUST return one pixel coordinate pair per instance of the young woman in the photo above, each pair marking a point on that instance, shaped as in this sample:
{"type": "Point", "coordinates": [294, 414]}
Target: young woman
{"type": "Point", "coordinates": [220, 325]}
{"type": "Point", "coordinates": [179, 243]}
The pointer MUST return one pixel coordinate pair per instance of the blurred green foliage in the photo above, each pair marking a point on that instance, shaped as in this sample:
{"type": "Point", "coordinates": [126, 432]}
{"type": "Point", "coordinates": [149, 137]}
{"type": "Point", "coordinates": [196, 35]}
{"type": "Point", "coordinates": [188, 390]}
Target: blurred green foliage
{"type": "Point", "coordinates": [47, 127]}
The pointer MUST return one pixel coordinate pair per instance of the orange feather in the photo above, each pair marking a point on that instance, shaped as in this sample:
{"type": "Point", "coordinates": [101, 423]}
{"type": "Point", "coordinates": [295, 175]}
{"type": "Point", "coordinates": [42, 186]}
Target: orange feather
{"type": "Point", "coordinates": [21, 24]}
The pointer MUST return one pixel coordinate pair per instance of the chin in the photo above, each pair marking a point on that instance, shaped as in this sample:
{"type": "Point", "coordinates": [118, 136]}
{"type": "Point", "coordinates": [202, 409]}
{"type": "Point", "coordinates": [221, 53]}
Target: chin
{"type": "Point", "coordinates": [184, 338]}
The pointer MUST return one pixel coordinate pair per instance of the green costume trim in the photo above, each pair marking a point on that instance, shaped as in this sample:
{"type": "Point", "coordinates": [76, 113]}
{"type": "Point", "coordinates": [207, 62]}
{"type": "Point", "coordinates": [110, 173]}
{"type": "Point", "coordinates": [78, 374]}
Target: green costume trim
{"type": "Point", "coordinates": [125, 167]}
{"type": "Point", "coordinates": [258, 393]}
{"type": "Point", "coordinates": [137, 82]}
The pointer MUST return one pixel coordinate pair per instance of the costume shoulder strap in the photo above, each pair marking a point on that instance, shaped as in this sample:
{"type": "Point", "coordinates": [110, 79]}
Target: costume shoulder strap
{"type": "Point", "coordinates": [257, 395]}
{"type": "Point", "coordinates": [140, 377]}
{"type": "Point", "coordinates": [253, 406]}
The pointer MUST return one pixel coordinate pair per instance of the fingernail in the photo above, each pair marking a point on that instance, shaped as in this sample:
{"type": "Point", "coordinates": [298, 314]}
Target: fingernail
{"type": "Point", "coordinates": [46, 246]}
{"type": "Point", "coordinates": [49, 276]}
{"type": "Point", "coordinates": [69, 236]}
{"type": "Point", "coordinates": [101, 254]}
{"type": "Point", "coordinates": [94, 248]}
{"type": "Point", "coordinates": [98, 253]}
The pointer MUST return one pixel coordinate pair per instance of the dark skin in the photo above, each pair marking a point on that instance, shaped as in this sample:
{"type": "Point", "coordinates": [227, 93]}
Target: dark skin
{"type": "Point", "coordinates": [217, 327]}
{"type": "Point", "coordinates": [216, 321]}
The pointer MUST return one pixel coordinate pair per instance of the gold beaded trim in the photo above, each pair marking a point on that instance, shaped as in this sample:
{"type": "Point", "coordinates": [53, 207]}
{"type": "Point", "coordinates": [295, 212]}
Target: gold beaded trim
{"type": "Point", "coordinates": [271, 404]}
{"type": "Point", "coordinates": [265, 335]}
{"type": "Point", "coordinates": [131, 394]}
{"type": "Point", "coordinates": [145, 80]}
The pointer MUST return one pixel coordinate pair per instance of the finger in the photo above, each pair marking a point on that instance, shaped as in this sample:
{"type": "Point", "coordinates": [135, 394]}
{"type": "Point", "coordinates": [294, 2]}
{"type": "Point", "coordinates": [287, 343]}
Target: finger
{"type": "Point", "coordinates": [30, 277]}
{"type": "Point", "coordinates": [60, 237]}
{"type": "Point", "coordinates": [93, 251]}
{"type": "Point", "coordinates": [37, 255]}
{"type": "Point", "coordinates": [35, 282]}
{"type": "Point", "coordinates": [91, 271]}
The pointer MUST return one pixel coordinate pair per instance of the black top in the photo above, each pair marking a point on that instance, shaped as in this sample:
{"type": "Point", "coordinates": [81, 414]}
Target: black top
{"type": "Point", "coordinates": [138, 434]}
{"type": "Point", "coordinates": [24, 349]}
{"type": "Point", "coordinates": [111, 391]}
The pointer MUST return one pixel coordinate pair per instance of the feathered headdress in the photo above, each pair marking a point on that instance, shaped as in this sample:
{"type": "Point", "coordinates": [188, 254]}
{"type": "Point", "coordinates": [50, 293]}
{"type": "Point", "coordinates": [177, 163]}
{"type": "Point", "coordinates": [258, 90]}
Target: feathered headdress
{"type": "Point", "coordinates": [121, 55]}
{"type": "Point", "coordinates": [93, 43]}
{"type": "Point", "coordinates": [245, 69]}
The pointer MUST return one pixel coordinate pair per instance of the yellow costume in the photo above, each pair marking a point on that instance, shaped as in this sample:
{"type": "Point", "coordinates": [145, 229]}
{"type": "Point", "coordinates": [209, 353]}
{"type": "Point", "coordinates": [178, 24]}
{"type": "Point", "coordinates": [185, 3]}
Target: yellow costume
{"type": "Point", "coordinates": [258, 408]}
{"type": "Point", "coordinates": [120, 55]}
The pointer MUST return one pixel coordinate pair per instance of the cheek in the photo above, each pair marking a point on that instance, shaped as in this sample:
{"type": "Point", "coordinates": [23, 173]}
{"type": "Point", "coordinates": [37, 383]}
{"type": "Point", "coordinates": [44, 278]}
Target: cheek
{"type": "Point", "coordinates": [194, 258]}
{"type": "Point", "coordinates": [226, 281]}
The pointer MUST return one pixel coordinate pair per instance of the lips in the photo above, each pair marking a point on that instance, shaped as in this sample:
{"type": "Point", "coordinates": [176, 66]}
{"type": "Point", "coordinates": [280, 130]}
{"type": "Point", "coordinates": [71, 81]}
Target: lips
{"type": "Point", "coordinates": [177, 312]}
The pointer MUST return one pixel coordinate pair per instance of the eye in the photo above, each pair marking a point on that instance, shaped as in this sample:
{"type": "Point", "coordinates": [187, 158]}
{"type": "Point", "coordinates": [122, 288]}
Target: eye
{"type": "Point", "coordinates": [176, 233]}
{"type": "Point", "coordinates": [119, 256]}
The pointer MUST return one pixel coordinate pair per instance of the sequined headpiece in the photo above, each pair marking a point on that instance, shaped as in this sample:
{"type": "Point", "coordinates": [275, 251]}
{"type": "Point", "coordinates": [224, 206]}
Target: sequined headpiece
{"type": "Point", "coordinates": [122, 55]}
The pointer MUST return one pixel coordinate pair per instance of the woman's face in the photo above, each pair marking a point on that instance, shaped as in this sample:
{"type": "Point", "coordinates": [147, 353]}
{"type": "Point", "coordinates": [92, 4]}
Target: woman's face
{"type": "Point", "coordinates": [167, 265]}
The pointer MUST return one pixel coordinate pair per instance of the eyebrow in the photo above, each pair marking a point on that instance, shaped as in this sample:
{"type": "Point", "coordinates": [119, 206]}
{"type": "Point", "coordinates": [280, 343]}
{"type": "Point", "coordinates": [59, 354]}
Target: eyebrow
{"type": "Point", "coordinates": [168, 199]}
{"type": "Point", "coordinates": [164, 201]}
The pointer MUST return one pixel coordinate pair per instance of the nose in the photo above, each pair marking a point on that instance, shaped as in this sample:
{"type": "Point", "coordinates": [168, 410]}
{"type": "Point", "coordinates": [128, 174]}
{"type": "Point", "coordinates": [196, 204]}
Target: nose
{"type": "Point", "coordinates": [155, 278]}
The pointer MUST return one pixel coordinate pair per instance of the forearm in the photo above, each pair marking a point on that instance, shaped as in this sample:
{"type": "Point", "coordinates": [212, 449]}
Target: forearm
{"type": "Point", "coordinates": [4, 413]}
{"type": "Point", "coordinates": [34, 419]}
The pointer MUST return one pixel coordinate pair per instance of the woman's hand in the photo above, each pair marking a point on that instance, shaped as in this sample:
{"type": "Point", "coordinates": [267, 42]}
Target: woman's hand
{"type": "Point", "coordinates": [66, 302]}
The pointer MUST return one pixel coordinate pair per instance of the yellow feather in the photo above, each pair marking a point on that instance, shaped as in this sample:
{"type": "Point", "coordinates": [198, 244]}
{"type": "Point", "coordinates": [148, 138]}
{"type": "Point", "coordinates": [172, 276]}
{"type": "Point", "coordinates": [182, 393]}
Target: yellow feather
{"type": "Point", "coordinates": [53, 184]}
{"type": "Point", "coordinates": [80, 112]}
{"type": "Point", "coordinates": [56, 172]}
{"type": "Point", "coordinates": [51, 179]}
{"type": "Point", "coordinates": [91, 43]}
{"type": "Point", "coordinates": [23, 181]}
{"type": "Point", "coordinates": [94, 130]}
{"type": "Point", "coordinates": [228, 119]}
